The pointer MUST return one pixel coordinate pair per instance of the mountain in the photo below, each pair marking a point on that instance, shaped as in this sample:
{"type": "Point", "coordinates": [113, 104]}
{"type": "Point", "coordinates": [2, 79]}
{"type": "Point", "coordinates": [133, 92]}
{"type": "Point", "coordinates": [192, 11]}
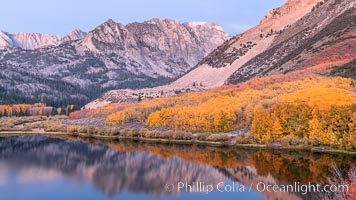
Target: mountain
{"type": "Point", "coordinates": [156, 47]}
{"type": "Point", "coordinates": [218, 66]}
{"type": "Point", "coordinates": [309, 35]}
{"type": "Point", "coordinates": [109, 171]}
{"type": "Point", "coordinates": [76, 34]}
{"type": "Point", "coordinates": [80, 66]}
{"type": "Point", "coordinates": [27, 40]}
{"type": "Point", "coordinates": [325, 37]}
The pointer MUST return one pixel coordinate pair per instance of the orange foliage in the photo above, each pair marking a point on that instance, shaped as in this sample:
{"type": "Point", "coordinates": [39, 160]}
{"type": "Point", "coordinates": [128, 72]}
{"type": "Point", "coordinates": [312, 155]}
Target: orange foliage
{"type": "Point", "coordinates": [286, 166]}
{"type": "Point", "coordinates": [331, 126]}
{"type": "Point", "coordinates": [15, 110]}
{"type": "Point", "coordinates": [79, 114]}
{"type": "Point", "coordinates": [273, 107]}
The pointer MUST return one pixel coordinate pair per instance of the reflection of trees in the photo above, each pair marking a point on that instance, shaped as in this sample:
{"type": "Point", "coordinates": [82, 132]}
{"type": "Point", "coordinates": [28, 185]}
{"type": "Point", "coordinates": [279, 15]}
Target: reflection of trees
{"type": "Point", "coordinates": [218, 157]}
{"type": "Point", "coordinates": [252, 166]}
{"type": "Point", "coordinates": [283, 165]}
{"type": "Point", "coordinates": [144, 167]}
{"type": "Point", "coordinates": [304, 167]}
{"type": "Point", "coordinates": [340, 179]}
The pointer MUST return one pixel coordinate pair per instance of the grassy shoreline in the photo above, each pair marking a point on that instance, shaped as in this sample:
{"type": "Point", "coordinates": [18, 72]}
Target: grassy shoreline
{"type": "Point", "coordinates": [179, 142]}
{"type": "Point", "coordinates": [156, 140]}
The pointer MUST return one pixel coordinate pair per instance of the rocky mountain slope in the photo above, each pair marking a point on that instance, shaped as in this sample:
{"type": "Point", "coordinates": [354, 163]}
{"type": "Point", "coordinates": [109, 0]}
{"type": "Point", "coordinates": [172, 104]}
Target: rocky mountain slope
{"type": "Point", "coordinates": [324, 38]}
{"type": "Point", "coordinates": [37, 40]}
{"type": "Point", "coordinates": [27, 40]}
{"type": "Point", "coordinates": [76, 34]}
{"type": "Point", "coordinates": [216, 68]}
{"type": "Point", "coordinates": [80, 66]}
{"type": "Point", "coordinates": [301, 34]}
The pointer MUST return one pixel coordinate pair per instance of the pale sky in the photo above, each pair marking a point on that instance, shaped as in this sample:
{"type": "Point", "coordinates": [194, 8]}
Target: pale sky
{"type": "Point", "coordinates": [61, 16]}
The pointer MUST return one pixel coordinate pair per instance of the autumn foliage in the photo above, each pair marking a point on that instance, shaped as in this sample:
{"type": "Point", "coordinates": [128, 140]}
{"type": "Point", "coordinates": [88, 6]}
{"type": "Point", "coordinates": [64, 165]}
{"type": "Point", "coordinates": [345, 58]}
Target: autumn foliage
{"type": "Point", "coordinates": [24, 110]}
{"type": "Point", "coordinates": [318, 108]}
{"type": "Point", "coordinates": [37, 109]}
{"type": "Point", "coordinates": [332, 126]}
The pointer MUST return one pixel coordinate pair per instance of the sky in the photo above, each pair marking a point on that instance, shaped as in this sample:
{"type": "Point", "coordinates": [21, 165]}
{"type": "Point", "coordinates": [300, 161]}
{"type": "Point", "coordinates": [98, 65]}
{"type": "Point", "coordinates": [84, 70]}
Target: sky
{"type": "Point", "coordinates": [62, 16]}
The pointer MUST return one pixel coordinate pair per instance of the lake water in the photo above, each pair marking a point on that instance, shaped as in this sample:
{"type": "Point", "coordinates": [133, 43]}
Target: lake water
{"type": "Point", "coordinates": [37, 167]}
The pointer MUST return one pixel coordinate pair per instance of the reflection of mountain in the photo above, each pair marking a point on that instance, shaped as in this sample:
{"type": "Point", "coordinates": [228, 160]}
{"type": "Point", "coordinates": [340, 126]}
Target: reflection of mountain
{"type": "Point", "coordinates": [147, 168]}
{"type": "Point", "coordinates": [109, 170]}
{"type": "Point", "coordinates": [249, 176]}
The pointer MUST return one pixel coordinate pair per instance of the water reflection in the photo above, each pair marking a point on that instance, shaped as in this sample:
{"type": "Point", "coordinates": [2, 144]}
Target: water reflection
{"type": "Point", "coordinates": [116, 168]}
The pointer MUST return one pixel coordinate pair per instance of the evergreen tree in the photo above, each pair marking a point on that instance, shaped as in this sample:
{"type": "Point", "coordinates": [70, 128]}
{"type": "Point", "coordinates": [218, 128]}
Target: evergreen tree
{"type": "Point", "coordinates": [54, 111]}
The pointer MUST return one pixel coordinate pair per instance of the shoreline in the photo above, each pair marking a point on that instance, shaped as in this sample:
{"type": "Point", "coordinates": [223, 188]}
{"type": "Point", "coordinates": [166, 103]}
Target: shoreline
{"type": "Point", "coordinates": [180, 142]}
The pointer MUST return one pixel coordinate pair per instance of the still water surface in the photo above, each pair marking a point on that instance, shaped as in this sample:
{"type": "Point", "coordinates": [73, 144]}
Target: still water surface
{"type": "Point", "coordinates": [37, 167]}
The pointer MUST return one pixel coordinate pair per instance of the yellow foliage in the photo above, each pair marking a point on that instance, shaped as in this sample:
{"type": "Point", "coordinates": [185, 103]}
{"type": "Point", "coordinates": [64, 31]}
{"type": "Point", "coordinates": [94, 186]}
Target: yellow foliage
{"type": "Point", "coordinates": [272, 108]}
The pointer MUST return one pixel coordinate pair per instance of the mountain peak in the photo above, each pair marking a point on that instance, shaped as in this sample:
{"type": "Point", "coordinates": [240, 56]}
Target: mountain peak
{"type": "Point", "coordinates": [77, 30]}
{"type": "Point", "coordinates": [5, 39]}
{"type": "Point", "coordinates": [27, 40]}
{"type": "Point", "coordinates": [204, 24]}
{"type": "Point", "coordinates": [291, 8]}
{"type": "Point", "coordinates": [303, 1]}
{"type": "Point", "coordinates": [76, 34]}
{"type": "Point", "coordinates": [109, 22]}
{"type": "Point", "coordinates": [160, 21]}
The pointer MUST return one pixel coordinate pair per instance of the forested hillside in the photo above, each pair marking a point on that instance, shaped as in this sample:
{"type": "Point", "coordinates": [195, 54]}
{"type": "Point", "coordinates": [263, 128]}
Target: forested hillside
{"type": "Point", "coordinates": [299, 105]}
